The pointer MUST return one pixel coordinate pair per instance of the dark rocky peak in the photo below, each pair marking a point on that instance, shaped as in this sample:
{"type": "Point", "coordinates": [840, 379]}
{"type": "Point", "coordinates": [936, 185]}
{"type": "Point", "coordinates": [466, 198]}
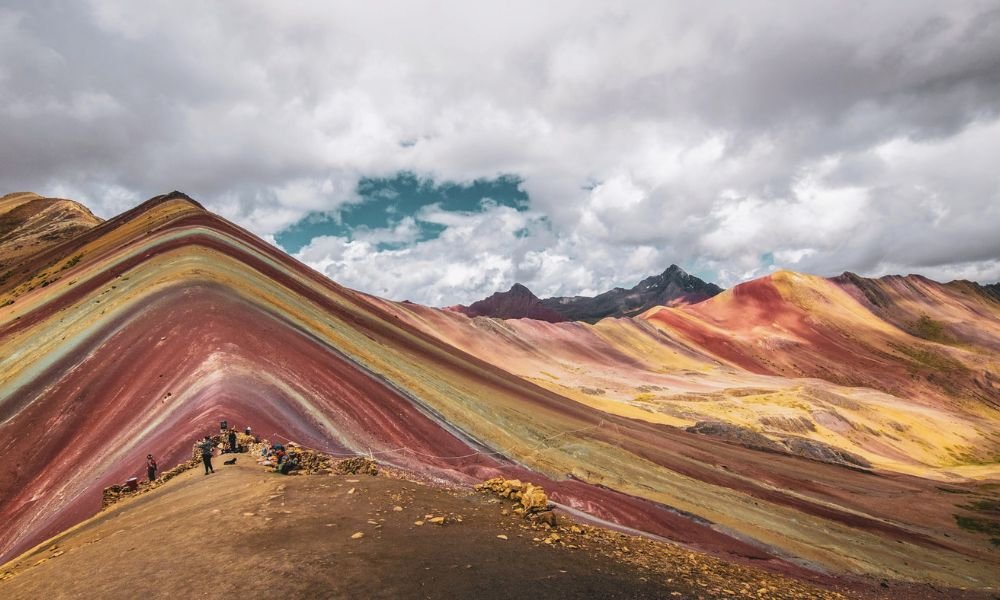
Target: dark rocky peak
{"type": "Point", "coordinates": [678, 277]}
{"type": "Point", "coordinates": [519, 290]}
{"type": "Point", "coordinates": [516, 303]}
{"type": "Point", "coordinates": [672, 287]}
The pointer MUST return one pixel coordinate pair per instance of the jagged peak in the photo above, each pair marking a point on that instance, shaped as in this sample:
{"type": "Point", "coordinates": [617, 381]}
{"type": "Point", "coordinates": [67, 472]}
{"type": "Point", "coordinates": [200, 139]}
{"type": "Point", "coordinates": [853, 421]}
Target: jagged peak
{"type": "Point", "coordinates": [520, 290]}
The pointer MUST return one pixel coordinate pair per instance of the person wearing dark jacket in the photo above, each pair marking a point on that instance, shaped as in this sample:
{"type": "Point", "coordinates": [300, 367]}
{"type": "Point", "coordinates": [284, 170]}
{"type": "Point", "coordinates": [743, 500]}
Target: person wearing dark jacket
{"type": "Point", "coordinates": [150, 467]}
{"type": "Point", "coordinates": [232, 441]}
{"type": "Point", "coordinates": [206, 454]}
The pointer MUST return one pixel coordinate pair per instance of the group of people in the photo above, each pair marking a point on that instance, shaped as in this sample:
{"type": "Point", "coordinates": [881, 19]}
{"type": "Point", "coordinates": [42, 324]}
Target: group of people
{"type": "Point", "coordinates": [284, 461]}
{"type": "Point", "coordinates": [207, 446]}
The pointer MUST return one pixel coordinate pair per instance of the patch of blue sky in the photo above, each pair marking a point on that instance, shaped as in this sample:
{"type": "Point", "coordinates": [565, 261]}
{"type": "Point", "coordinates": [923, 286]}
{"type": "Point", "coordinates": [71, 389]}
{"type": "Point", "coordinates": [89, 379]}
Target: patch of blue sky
{"type": "Point", "coordinates": [384, 202]}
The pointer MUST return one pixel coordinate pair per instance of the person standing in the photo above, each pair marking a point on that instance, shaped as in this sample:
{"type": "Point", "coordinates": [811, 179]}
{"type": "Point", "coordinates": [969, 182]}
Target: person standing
{"type": "Point", "coordinates": [206, 454]}
{"type": "Point", "coordinates": [150, 467]}
{"type": "Point", "coordinates": [233, 448]}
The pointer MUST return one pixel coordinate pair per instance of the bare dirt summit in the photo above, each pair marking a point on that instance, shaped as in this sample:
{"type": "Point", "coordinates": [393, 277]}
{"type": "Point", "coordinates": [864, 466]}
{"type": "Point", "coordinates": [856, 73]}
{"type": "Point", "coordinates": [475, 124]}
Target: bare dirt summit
{"type": "Point", "coordinates": [244, 532]}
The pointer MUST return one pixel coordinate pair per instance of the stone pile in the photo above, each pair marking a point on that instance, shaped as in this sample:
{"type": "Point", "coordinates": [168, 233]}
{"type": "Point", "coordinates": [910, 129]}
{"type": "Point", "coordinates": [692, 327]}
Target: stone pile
{"type": "Point", "coordinates": [168, 475]}
{"type": "Point", "coordinates": [248, 442]}
{"type": "Point", "coordinates": [115, 493]}
{"type": "Point", "coordinates": [311, 461]}
{"type": "Point", "coordinates": [359, 465]}
{"type": "Point", "coordinates": [531, 502]}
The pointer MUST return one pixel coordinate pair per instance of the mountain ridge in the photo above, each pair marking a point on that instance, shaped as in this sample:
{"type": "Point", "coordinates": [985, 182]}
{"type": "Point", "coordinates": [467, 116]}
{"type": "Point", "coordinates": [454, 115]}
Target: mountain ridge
{"type": "Point", "coordinates": [672, 287]}
{"type": "Point", "coordinates": [516, 303]}
{"type": "Point", "coordinates": [31, 224]}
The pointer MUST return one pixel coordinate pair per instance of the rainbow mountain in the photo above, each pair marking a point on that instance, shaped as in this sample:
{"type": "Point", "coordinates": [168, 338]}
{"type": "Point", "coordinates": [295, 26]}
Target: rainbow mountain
{"type": "Point", "coordinates": [843, 425]}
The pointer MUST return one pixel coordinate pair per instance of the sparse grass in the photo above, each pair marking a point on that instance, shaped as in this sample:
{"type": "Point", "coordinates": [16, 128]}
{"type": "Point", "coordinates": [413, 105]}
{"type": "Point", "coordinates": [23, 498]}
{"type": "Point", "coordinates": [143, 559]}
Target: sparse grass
{"type": "Point", "coordinates": [985, 506]}
{"type": "Point", "coordinates": [929, 358]}
{"type": "Point", "coordinates": [977, 525]}
{"type": "Point", "coordinates": [929, 329]}
{"type": "Point", "coordinates": [71, 262]}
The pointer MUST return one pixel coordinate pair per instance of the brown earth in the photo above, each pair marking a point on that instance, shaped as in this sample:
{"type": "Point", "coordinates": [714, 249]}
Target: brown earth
{"type": "Point", "coordinates": [30, 225]}
{"type": "Point", "coordinates": [247, 532]}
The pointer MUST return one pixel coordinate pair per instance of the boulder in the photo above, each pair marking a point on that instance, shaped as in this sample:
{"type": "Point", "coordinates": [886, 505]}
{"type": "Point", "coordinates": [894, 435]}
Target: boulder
{"type": "Point", "coordinates": [529, 498]}
{"type": "Point", "coordinates": [533, 498]}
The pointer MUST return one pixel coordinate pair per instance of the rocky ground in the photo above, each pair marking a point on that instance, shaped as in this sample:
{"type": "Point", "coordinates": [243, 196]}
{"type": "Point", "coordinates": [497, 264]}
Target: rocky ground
{"type": "Point", "coordinates": [248, 532]}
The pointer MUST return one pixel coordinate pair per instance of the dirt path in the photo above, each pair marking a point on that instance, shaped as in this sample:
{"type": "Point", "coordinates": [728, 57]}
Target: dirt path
{"type": "Point", "coordinates": [246, 533]}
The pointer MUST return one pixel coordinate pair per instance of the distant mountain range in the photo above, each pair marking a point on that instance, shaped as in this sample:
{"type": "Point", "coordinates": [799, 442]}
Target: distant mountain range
{"type": "Point", "coordinates": [673, 287]}
{"type": "Point", "coordinates": [992, 289]}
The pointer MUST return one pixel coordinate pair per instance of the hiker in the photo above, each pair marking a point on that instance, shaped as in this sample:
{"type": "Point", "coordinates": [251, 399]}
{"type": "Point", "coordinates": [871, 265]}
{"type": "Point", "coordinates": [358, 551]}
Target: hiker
{"type": "Point", "coordinates": [291, 462]}
{"type": "Point", "coordinates": [232, 442]}
{"type": "Point", "coordinates": [206, 454]}
{"type": "Point", "coordinates": [150, 467]}
{"type": "Point", "coordinates": [247, 430]}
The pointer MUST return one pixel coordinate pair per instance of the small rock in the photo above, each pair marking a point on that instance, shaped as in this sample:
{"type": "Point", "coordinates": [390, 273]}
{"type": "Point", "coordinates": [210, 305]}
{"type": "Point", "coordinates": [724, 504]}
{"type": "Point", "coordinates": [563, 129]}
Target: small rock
{"type": "Point", "coordinates": [418, 523]}
{"type": "Point", "coordinates": [397, 509]}
{"type": "Point", "coordinates": [437, 520]}
{"type": "Point", "coordinates": [350, 491]}
{"type": "Point", "coordinates": [546, 516]}
{"type": "Point", "coordinates": [502, 536]}
{"type": "Point", "coordinates": [358, 535]}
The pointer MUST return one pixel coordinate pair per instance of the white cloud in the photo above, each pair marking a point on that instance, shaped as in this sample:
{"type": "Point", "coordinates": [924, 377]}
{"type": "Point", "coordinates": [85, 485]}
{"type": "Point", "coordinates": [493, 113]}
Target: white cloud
{"type": "Point", "coordinates": [830, 136]}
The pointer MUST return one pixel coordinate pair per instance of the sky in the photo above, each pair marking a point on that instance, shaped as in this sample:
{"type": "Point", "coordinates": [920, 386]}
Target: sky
{"type": "Point", "coordinates": [441, 151]}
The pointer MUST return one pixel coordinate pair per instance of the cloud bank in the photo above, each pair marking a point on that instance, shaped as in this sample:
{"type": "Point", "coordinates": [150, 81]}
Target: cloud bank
{"type": "Point", "coordinates": [730, 139]}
